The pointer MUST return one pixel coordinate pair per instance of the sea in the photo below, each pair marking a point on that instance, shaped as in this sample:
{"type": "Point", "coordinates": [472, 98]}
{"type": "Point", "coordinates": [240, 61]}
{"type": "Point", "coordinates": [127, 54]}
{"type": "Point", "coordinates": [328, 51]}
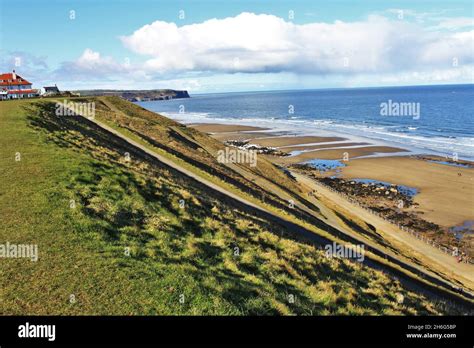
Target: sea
{"type": "Point", "coordinates": [423, 119]}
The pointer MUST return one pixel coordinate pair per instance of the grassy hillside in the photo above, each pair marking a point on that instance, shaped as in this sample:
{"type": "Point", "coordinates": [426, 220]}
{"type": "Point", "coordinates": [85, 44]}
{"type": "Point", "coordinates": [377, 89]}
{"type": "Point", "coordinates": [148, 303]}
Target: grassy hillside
{"type": "Point", "coordinates": [115, 238]}
{"type": "Point", "coordinates": [190, 145]}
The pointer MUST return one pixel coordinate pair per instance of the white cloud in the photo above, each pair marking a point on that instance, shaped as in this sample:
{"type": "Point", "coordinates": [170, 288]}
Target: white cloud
{"type": "Point", "coordinates": [456, 23]}
{"type": "Point", "coordinates": [23, 62]}
{"type": "Point", "coordinates": [249, 49]}
{"type": "Point", "coordinates": [92, 62]}
{"type": "Point", "coordinates": [92, 66]}
{"type": "Point", "coordinates": [90, 59]}
{"type": "Point", "coordinates": [463, 74]}
{"type": "Point", "coordinates": [457, 47]}
{"type": "Point", "coordinates": [417, 16]}
{"type": "Point", "coordinates": [254, 43]}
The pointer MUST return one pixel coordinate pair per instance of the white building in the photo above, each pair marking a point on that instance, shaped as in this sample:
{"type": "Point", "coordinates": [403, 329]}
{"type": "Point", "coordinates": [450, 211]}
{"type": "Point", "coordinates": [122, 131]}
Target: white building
{"type": "Point", "coordinates": [13, 86]}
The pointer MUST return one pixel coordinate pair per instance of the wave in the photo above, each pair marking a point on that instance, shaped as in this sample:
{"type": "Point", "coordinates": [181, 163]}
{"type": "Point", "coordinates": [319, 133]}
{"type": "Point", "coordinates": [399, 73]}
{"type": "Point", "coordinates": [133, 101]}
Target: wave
{"type": "Point", "coordinates": [446, 145]}
{"type": "Point", "coordinates": [407, 137]}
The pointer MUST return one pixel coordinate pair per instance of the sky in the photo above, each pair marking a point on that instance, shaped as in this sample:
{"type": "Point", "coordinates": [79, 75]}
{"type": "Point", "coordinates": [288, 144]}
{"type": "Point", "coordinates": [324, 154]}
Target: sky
{"type": "Point", "coordinates": [208, 46]}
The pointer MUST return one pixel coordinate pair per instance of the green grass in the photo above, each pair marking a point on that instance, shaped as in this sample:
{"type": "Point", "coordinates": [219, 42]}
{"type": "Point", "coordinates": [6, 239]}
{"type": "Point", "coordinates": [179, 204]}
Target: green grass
{"type": "Point", "coordinates": [174, 251]}
{"type": "Point", "coordinates": [155, 132]}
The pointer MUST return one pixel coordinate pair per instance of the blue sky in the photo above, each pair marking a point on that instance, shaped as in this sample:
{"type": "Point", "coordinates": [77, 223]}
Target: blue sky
{"type": "Point", "coordinates": [251, 45]}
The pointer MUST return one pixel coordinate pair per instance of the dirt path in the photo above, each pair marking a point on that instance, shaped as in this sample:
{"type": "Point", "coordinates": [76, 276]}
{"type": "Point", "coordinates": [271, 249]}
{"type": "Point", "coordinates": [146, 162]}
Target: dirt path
{"type": "Point", "coordinates": [389, 231]}
{"type": "Point", "coordinates": [310, 235]}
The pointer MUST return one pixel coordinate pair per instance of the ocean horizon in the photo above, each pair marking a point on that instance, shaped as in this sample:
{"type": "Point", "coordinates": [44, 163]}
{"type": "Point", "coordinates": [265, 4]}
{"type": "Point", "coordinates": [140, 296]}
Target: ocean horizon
{"type": "Point", "coordinates": [440, 122]}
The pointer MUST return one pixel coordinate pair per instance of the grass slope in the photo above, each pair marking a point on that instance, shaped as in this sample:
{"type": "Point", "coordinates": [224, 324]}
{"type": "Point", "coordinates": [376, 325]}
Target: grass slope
{"type": "Point", "coordinates": [176, 252]}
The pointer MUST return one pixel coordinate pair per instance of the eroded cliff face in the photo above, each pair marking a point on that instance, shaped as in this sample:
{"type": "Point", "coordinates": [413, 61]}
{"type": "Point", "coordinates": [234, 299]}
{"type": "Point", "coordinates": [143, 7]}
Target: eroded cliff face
{"type": "Point", "coordinates": [154, 95]}
{"type": "Point", "coordinates": [182, 94]}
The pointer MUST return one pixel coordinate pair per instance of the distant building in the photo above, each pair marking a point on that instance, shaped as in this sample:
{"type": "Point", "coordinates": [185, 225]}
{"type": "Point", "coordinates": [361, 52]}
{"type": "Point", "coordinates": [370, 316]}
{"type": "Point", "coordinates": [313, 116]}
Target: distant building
{"type": "Point", "coordinates": [13, 86]}
{"type": "Point", "coordinates": [50, 91]}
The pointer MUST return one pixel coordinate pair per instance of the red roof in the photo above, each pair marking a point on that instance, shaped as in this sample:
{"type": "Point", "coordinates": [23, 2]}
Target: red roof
{"type": "Point", "coordinates": [9, 76]}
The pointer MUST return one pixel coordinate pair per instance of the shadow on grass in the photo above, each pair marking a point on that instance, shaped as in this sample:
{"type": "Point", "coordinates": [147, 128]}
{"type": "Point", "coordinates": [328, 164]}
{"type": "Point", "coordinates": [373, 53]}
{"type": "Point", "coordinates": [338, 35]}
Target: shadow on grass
{"type": "Point", "coordinates": [120, 198]}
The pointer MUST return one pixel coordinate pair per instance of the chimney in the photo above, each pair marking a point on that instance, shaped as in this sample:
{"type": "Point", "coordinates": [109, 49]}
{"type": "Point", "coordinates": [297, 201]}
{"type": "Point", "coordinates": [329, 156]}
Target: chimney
{"type": "Point", "coordinates": [13, 75]}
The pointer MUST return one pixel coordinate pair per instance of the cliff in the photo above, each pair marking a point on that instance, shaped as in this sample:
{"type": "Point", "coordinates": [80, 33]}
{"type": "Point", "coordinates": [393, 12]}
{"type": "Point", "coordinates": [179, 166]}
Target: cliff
{"type": "Point", "coordinates": [137, 95]}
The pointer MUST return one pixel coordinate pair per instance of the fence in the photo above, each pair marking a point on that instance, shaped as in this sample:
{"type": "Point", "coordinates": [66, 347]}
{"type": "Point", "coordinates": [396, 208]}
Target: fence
{"type": "Point", "coordinates": [453, 252]}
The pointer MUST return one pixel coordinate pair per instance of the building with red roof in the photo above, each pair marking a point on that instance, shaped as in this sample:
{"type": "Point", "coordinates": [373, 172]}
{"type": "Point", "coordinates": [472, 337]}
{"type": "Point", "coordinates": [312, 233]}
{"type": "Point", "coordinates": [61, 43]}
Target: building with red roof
{"type": "Point", "coordinates": [13, 86]}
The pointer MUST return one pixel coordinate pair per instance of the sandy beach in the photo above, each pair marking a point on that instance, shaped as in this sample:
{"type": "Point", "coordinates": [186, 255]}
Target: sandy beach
{"type": "Point", "coordinates": [335, 146]}
{"type": "Point", "coordinates": [294, 140]}
{"type": "Point", "coordinates": [338, 154]}
{"type": "Point", "coordinates": [223, 128]}
{"type": "Point", "coordinates": [241, 135]}
{"type": "Point", "coordinates": [290, 149]}
{"type": "Point", "coordinates": [445, 193]}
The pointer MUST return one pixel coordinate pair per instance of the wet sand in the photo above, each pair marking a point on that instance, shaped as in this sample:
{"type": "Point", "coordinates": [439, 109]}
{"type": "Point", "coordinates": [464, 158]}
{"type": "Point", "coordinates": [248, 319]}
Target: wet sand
{"type": "Point", "coordinates": [317, 147]}
{"type": "Point", "coordinates": [287, 143]}
{"type": "Point", "coordinates": [294, 140]}
{"type": "Point", "coordinates": [220, 128]}
{"type": "Point", "coordinates": [445, 197]}
{"type": "Point", "coordinates": [338, 154]}
{"type": "Point", "coordinates": [445, 193]}
{"type": "Point", "coordinates": [241, 135]}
